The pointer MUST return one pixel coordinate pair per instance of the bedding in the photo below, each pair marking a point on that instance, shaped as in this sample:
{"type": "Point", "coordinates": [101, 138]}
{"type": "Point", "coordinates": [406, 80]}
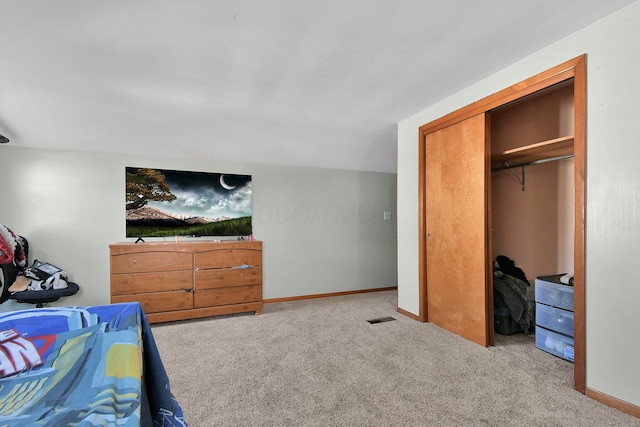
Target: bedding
{"type": "Point", "coordinates": [84, 366]}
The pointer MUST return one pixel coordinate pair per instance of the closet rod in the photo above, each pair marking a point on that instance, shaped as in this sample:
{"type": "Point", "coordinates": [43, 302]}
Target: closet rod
{"type": "Point", "coordinates": [521, 181]}
{"type": "Point", "coordinates": [506, 165]}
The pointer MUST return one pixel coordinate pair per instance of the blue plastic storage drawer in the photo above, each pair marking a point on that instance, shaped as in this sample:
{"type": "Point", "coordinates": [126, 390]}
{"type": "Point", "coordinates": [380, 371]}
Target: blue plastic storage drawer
{"type": "Point", "coordinates": [555, 319]}
{"type": "Point", "coordinates": [550, 291]}
{"type": "Point", "coordinates": [556, 344]}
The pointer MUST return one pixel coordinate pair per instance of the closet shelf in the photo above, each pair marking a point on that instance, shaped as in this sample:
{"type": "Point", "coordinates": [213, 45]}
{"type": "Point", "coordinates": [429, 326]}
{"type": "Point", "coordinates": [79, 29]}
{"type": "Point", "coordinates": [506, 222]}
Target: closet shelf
{"type": "Point", "coordinates": [558, 148]}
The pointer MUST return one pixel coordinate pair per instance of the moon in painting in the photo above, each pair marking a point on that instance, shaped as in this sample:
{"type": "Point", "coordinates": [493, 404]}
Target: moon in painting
{"type": "Point", "coordinates": [225, 185]}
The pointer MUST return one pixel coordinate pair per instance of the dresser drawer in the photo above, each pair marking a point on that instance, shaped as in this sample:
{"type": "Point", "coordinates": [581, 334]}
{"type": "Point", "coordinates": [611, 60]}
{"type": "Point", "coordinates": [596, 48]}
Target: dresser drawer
{"type": "Point", "coordinates": [226, 296]}
{"type": "Point", "coordinates": [138, 283]}
{"type": "Point", "coordinates": [224, 258]}
{"type": "Point", "coordinates": [550, 292]}
{"type": "Point", "coordinates": [159, 301]}
{"type": "Point", "coordinates": [556, 344]}
{"type": "Point", "coordinates": [146, 262]}
{"type": "Point", "coordinates": [555, 319]}
{"type": "Point", "coordinates": [227, 277]}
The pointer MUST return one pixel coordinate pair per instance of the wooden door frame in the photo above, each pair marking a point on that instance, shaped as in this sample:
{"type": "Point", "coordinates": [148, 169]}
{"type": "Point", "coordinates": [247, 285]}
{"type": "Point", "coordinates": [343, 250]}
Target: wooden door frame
{"type": "Point", "coordinates": [575, 69]}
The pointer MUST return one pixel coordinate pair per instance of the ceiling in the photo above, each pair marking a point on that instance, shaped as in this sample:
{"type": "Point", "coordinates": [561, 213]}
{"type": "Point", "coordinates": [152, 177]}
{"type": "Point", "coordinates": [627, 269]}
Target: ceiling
{"type": "Point", "coordinates": [309, 83]}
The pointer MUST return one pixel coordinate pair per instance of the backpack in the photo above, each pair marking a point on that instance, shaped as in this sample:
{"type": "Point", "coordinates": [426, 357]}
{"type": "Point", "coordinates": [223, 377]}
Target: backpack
{"type": "Point", "coordinates": [14, 251]}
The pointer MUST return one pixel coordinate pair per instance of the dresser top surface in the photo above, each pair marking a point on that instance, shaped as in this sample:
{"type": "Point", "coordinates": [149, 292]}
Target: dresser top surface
{"type": "Point", "coordinates": [190, 246]}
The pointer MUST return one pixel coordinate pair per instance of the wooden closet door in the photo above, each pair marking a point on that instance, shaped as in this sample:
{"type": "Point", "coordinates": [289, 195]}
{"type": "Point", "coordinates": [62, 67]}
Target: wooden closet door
{"type": "Point", "coordinates": [456, 222]}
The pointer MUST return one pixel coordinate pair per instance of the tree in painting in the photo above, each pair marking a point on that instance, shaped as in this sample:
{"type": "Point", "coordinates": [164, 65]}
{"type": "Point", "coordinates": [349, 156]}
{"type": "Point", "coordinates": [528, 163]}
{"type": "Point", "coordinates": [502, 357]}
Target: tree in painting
{"type": "Point", "coordinates": [146, 185]}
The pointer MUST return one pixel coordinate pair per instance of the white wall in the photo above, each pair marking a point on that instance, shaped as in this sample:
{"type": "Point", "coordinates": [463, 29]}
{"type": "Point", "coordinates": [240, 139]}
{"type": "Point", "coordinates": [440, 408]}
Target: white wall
{"type": "Point", "coordinates": [613, 191]}
{"type": "Point", "coordinates": [323, 229]}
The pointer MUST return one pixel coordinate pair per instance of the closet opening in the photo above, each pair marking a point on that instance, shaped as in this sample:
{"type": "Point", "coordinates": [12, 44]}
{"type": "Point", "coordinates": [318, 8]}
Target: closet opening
{"type": "Point", "coordinates": [532, 218]}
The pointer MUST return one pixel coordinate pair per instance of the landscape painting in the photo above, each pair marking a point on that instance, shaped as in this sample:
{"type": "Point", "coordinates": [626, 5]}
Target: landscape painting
{"type": "Point", "coordinates": [163, 203]}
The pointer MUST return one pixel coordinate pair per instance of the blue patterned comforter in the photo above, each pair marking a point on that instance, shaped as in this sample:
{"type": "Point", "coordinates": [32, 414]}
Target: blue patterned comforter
{"type": "Point", "coordinates": [83, 366]}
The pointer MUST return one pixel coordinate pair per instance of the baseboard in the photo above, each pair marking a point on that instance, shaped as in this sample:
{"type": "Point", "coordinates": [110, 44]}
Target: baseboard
{"type": "Point", "coordinates": [614, 402]}
{"type": "Point", "coordinates": [408, 314]}
{"type": "Point", "coordinates": [330, 294]}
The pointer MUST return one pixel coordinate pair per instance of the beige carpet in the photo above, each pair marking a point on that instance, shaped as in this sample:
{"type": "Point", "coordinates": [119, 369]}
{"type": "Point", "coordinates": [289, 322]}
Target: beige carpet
{"type": "Point", "coordinates": [320, 363]}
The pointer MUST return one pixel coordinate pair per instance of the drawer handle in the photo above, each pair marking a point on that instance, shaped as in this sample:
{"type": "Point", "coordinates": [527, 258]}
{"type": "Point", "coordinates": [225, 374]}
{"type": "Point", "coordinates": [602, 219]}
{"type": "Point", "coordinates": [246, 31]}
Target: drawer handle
{"type": "Point", "coordinates": [188, 290]}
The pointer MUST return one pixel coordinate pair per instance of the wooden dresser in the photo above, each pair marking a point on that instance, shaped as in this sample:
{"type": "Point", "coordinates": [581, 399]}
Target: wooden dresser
{"type": "Point", "coordinates": [175, 281]}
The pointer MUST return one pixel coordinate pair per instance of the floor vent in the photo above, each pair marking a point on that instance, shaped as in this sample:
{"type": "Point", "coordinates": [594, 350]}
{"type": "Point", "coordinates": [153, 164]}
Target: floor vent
{"type": "Point", "coordinates": [381, 320]}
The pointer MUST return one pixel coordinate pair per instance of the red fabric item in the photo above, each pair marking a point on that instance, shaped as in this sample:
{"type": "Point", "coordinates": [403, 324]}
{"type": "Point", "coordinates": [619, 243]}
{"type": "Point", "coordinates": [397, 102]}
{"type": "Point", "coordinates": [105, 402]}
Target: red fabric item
{"type": "Point", "coordinates": [7, 245]}
{"type": "Point", "coordinates": [11, 250]}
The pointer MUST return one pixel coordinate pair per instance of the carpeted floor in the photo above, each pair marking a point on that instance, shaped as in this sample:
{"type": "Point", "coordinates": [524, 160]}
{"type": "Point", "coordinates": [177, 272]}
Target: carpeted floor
{"type": "Point", "coordinates": [320, 363]}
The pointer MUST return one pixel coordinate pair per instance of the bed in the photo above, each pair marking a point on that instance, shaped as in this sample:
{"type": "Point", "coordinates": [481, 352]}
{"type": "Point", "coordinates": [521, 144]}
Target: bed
{"type": "Point", "coordinates": [84, 366]}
